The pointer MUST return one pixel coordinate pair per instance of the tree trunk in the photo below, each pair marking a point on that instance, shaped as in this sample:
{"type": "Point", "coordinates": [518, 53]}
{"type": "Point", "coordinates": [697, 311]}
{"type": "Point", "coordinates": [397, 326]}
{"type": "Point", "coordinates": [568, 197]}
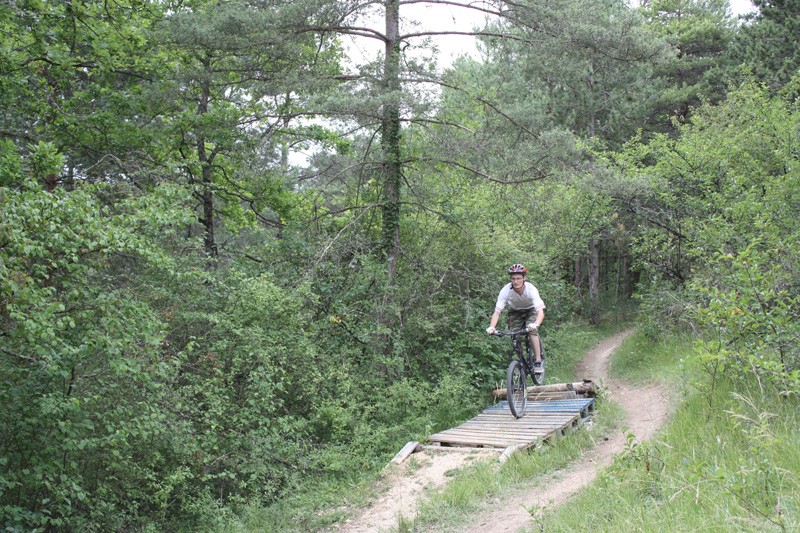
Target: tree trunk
{"type": "Point", "coordinates": [583, 388]}
{"type": "Point", "coordinates": [594, 281]}
{"type": "Point", "coordinates": [205, 159]}
{"type": "Point", "coordinates": [391, 137]}
{"type": "Point", "coordinates": [578, 279]}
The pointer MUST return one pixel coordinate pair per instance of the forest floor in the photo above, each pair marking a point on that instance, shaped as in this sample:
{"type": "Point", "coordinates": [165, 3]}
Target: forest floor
{"type": "Point", "coordinates": [428, 470]}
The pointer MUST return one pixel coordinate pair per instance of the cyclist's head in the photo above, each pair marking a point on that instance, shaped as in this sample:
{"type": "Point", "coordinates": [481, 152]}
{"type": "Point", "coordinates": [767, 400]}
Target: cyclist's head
{"type": "Point", "coordinates": [517, 269]}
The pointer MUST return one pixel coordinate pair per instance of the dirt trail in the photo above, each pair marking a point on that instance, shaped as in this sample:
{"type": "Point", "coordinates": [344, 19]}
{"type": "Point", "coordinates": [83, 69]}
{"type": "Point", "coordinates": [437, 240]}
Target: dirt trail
{"type": "Point", "coordinates": [410, 481]}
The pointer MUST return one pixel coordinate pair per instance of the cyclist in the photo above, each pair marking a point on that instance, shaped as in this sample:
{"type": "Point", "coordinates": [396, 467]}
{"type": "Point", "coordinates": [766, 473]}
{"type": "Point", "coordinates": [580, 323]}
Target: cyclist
{"type": "Point", "coordinates": [525, 309]}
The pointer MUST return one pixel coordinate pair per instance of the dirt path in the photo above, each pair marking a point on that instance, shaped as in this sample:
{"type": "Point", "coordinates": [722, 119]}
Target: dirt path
{"type": "Point", "coordinates": [411, 480]}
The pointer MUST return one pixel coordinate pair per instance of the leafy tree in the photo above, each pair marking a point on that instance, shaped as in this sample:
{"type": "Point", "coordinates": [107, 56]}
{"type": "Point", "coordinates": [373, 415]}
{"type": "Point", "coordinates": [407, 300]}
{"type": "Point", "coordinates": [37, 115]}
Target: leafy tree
{"type": "Point", "coordinates": [582, 71]}
{"type": "Point", "coordinates": [717, 204]}
{"type": "Point", "coordinates": [71, 74]}
{"type": "Point", "coordinates": [80, 372]}
{"type": "Point", "coordinates": [590, 62]}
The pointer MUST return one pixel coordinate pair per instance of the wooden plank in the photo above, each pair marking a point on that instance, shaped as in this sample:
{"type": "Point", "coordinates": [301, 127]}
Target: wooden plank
{"type": "Point", "coordinates": [457, 433]}
{"type": "Point", "coordinates": [580, 402]}
{"type": "Point", "coordinates": [464, 449]}
{"type": "Point", "coordinates": [532, 433]}
{"type": "Point", "coordinates": [501, 414]}
{"type": "Point", "coordinates": [484, 441]}
{"type": "Point", "coordinates": [504, 425]}
{"type": "Point", "coordinates": [583, 407]}
{"type": "Point", "coordinates": [539, 412]}
{"type": "Point", "coordinates": [407, 450]}
{"type": "Point", "coordinates": [495, 427]}
{"type": "Point", "coordinates": [549, 417]}
{"type": "Point", "coordinates": [494, 435]}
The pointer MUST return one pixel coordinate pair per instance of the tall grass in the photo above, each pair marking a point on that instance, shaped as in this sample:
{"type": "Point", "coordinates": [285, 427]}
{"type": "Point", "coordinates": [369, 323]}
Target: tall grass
{"type": "Point", "coordinates": [728, 460]}
{"type": "Point", "coordinates": [724, 463]}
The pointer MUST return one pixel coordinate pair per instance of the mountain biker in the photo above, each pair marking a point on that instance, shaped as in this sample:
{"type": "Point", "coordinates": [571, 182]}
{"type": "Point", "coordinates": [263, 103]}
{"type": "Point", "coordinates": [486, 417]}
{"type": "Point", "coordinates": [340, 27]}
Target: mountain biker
{"type": "Point", "coordinates": [525, 309]}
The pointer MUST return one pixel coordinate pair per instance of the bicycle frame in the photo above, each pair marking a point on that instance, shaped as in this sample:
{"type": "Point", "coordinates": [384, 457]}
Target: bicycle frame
{"type": "Point", "coordinates": [519, 349]}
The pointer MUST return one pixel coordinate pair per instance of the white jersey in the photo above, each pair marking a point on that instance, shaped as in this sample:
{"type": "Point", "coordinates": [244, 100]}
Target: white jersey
{"type": "Point", "coordinates": [529, 299]}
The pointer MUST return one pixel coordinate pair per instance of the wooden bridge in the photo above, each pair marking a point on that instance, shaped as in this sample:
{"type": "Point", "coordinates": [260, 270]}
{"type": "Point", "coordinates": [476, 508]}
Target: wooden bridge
{"type": "Point", "coordinates": [551, 411]}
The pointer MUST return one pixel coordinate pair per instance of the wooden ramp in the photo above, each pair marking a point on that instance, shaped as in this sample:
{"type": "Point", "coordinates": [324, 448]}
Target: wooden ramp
{"type": "Point", "coordinates": [548, 415]}
{"type": "Point", "coordinates": [496, 427]}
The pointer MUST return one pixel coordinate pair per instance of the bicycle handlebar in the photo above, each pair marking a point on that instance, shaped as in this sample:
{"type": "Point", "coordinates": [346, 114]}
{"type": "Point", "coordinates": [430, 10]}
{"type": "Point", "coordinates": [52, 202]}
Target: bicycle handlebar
{"type": "Point", "coordinates": [510, 333]}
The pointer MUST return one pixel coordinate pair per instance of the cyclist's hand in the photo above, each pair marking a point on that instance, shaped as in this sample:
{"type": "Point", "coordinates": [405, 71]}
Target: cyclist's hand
{"type": "Point", "coordinates": [532, 328]}
{"type": "Point", "coordinates": [490, 330]}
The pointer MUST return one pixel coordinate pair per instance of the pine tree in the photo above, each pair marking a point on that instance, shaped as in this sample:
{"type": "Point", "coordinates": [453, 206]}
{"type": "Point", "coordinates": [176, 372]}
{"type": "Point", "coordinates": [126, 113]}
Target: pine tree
{"type": "Point", "coordinates": [769, 43]}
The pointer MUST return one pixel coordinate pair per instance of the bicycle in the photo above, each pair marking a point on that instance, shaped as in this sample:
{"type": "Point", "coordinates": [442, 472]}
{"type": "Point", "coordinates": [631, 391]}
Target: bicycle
{"type": "Point", "coordinates": [520, 365]}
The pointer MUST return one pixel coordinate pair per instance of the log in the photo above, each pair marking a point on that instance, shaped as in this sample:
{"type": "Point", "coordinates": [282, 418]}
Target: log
{"type": "Point", "coordinates": [585, 387]}
{"type": "Point", "coordinates": [509, 451]}
{"type": "Point", "coordinates": [407, 450]}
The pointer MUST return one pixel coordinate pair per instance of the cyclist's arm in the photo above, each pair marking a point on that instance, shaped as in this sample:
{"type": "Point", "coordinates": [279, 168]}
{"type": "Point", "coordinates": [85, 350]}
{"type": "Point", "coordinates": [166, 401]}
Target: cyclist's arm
{"type": "Point", "coordinates": [495, 318]}
{"type": "Point", "coordinates": [539, 318]}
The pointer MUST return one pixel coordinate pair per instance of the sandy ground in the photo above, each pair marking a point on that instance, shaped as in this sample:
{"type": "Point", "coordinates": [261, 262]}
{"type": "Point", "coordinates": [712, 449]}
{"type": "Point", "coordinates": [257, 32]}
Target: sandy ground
{"type": "Point", "coordinates": [426, 470]}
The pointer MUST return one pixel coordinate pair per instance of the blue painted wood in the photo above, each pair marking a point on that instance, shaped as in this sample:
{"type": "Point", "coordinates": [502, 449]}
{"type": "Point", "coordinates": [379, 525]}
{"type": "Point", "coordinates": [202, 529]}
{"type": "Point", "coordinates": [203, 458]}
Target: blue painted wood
{"type": "Point", "coordinates": [582, 406]}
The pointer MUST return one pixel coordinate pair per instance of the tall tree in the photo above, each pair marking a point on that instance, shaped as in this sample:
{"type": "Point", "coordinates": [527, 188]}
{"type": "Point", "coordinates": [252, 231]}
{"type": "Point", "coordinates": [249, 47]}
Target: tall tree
{"type": "Point", "coordinates": [235, 64]}
{"type": "Point", "coordinates": [593, 63]}
{"type": "Point", "coordinates": [768, 42]}
{"type": "Point", "coordinates": [701, 32]}
{"type": "Point", "coordinates": [586, 68]}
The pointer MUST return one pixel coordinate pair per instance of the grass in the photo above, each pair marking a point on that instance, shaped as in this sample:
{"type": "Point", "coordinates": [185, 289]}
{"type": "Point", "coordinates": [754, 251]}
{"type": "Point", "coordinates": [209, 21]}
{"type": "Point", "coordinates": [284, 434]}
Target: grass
{"type": "Point", "coordinates": [727, 461]}
{"type": "Point", "coordinates": [640, 359]}
{"type": "Point", "coordinates": [724, 463]}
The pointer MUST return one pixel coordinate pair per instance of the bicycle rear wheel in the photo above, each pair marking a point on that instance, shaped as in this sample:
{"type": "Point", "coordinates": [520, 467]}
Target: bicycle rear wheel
{"type": "Point", "coordinates": [516, 388]}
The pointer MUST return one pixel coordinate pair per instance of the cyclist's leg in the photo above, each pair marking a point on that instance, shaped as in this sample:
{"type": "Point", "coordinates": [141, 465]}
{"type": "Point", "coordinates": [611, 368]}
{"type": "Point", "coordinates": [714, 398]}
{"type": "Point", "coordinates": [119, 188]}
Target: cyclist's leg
{"type": "Point", "coordinates": [530, 316]}
{"type": "Point", "coordinates": [537, 347]}
{"type": "Point", "coordinates": [516, 319]}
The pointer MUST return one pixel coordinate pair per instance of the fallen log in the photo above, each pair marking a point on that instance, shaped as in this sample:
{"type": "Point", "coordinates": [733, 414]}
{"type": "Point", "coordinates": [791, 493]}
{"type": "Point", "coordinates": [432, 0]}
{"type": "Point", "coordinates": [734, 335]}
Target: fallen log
{"type": "Point", "coordinates": [585, 388]}
{"type": "Point", "coordinates": [408, 449]}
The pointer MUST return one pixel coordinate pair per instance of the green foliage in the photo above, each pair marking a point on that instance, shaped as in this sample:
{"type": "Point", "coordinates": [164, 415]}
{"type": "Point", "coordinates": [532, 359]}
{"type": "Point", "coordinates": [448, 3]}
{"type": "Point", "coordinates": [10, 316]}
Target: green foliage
{"type": "Point", "coordinates": [719, 202]}
{"type": "Point", "coordinates": [151, 381]}
{"type": "Point", "coordinates": [78, 361]}
{"type": "Point", "coordinates": [591, 64]}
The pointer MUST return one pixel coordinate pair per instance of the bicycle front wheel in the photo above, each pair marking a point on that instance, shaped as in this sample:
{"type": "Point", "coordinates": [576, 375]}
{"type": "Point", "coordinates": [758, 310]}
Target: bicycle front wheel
{"type": "Point", "coordinates": [516, 388]}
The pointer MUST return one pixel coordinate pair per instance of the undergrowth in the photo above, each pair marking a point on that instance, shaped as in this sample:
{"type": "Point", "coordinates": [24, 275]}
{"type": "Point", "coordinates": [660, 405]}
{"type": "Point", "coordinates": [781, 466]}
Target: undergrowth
{"type": "Point", "coordinates": [328, 500]}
